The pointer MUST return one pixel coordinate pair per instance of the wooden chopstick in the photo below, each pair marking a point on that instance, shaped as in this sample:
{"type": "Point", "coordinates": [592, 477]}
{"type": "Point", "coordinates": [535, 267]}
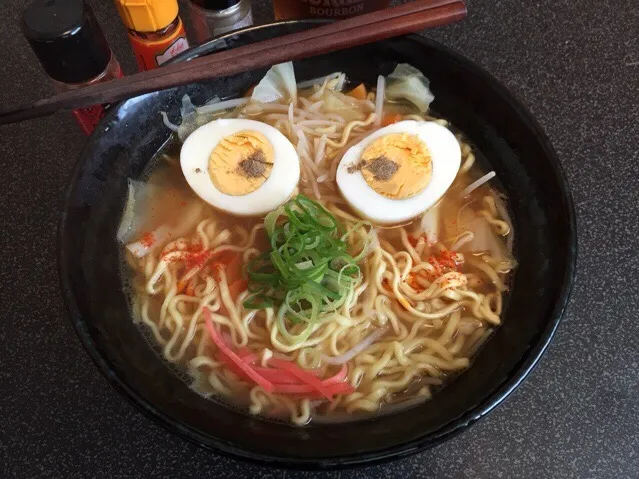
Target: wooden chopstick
{"type": "Point", "coordinates": [366, 28]}
{"type": "Point", "coordinates": [310, 34]}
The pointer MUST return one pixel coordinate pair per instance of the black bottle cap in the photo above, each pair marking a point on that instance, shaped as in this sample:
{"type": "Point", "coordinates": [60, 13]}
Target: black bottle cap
{"type": "Point", "coordinates": [215, 4]}
{"type": "Point", "coordinates": [67, 39]}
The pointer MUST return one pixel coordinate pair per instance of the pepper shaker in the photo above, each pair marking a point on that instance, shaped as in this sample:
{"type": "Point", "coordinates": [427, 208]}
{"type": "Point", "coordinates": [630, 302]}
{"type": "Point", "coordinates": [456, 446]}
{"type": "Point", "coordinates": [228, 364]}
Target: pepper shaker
{"type": "Point", "coordinates": [211, 18]}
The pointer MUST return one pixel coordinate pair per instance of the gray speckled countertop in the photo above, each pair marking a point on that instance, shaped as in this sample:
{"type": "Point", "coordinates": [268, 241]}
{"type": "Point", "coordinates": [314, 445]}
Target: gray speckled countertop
{"type": "Point", "coordinates": [575, 64]}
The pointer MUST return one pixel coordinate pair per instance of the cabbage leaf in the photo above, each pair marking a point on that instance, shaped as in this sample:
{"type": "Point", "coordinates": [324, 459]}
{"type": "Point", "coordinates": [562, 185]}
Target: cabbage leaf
{"type": "Point", "coordinates": [277, 85]}
{"type": "Point", "coordinates": [407, 83]}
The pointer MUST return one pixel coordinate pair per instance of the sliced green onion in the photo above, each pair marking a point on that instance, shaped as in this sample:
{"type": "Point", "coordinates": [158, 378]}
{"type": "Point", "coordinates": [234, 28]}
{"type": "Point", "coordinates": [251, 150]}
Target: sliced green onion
{"type": "Point", "coordinates": [309, 270]}
{"type": "Point", "coordinates": [271, 219]}
{"type": "Point", "coordinates": [292, 338]}
{"type": "Point", "coordinates": [258, 301]}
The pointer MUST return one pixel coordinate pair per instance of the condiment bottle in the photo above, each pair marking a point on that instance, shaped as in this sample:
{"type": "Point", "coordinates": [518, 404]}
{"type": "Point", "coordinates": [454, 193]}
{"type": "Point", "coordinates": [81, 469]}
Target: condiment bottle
{"type": "Point", "coordinates": [156, 31]}
{"type": "Point", "coordinates": [211, 18]}
{"type": "Point", "coordinates": [66, 38]}
{"type": "Point", "coordinates": [336, 9]}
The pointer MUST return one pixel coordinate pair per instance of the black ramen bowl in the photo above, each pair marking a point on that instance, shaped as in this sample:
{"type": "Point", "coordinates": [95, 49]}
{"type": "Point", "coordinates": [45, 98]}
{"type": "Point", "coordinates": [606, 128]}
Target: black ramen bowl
{"type": "Point", "coordinates": [510, 142]}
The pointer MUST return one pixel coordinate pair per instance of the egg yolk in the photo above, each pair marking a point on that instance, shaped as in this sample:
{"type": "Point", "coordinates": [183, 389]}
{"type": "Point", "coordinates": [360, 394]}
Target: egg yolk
{"type": "Point", "coordinates": [240, 163]}
{"type": "Point", "coordinates": [397, 166]}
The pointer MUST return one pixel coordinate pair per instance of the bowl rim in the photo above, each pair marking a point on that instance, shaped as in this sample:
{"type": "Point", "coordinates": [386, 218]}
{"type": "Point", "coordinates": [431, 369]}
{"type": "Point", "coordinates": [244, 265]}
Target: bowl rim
{"type": "Point", "coordinates": [525, 366]}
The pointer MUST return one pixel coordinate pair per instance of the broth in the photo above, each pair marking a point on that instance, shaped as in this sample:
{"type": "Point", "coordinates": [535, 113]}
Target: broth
{"type": "Point", "coordinates": [451, 287]}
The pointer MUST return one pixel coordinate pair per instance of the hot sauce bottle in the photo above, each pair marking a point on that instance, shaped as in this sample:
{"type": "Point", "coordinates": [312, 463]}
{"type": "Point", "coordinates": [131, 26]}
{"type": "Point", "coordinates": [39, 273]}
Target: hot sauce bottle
{"type": "Point", "coordinates": [66, 38]}
{"type": "Point", "coordinates": [156, 31]}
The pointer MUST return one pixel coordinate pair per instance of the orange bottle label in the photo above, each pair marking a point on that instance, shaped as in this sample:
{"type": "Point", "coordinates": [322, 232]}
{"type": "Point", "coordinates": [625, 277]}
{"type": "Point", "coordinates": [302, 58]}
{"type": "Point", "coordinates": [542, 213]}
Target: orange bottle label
{"type": "Point", "coordinates": [153, 53]}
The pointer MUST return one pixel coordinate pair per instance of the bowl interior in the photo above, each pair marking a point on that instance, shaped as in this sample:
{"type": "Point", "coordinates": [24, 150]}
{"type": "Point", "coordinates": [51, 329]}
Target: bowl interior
{"type": "Point", "coordinates": [510, 143]}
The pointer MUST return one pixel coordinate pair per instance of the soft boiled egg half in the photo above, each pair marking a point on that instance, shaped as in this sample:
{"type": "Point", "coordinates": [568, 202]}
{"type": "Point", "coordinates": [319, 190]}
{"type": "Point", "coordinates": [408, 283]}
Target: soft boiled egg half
{"type": "Point", "coordinates": [400, 171]}
{"type": "Point", "coordinates": [243, 167]}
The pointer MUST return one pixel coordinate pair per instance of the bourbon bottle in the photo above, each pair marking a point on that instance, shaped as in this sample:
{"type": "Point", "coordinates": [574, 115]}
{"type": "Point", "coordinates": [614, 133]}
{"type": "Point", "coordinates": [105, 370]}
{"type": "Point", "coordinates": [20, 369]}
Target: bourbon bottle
{"type": "Point", "coordinates": [335, 9]}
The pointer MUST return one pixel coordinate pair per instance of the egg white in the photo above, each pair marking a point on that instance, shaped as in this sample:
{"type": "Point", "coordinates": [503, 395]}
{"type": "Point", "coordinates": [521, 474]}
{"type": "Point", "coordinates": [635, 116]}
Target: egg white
{"type": "Point", "coordinates": [445, 156]}
{"type": "Point", "coordinates": [277, 188]}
